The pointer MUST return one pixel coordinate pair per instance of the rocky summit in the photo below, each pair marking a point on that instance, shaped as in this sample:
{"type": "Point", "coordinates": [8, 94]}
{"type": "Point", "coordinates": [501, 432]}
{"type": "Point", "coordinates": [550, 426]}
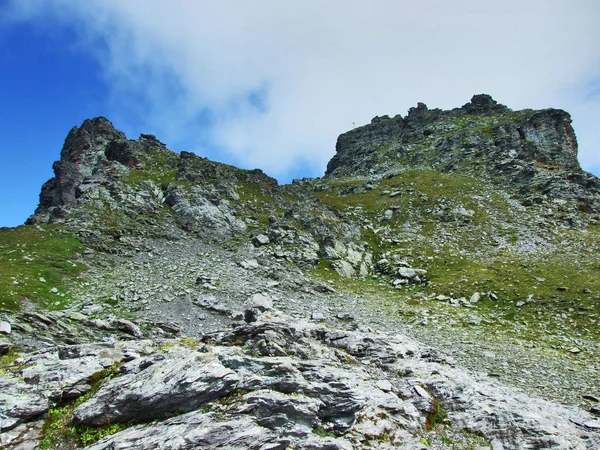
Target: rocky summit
{"type": "Point", "coordinates": [438, 288]}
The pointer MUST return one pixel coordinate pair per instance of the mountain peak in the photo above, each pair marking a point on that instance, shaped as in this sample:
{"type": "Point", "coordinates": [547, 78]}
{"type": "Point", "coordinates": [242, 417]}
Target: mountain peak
{"type": "Point", "coordinates": [532, 151]}
{"type": "Point", "coordinates": [484, 104]}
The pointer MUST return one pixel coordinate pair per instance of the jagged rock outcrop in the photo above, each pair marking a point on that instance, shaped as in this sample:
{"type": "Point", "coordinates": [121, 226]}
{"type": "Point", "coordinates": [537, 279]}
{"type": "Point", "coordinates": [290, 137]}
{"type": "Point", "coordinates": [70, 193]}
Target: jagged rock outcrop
{"type": "Point", "coordinates": [534, 153]}
{"type": "Point", "coordinates": [105, 183]}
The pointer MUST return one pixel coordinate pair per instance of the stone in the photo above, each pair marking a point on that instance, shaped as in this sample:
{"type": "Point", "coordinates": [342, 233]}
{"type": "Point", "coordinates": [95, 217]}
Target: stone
{"type": "Point", "coordinates": [325, 289]}
{"type": "Point", "coordinates": [462, 212]}
{"type": "Point", "coordinates": [126, 326]}
{"type": "Point", "coordinates": [5, 346]}
{"type": "Point", "coordinates": [473, 319]}
{"type": "Point", "coordinates": [181, 382]}
{"type": "Point", "coordinates": [410, 273]}
{"type": "Point", "coordinates": [5, 328]}
{"type": "Point", "coordinates": [250, 316]}
{"type": "Point", "coordinates": [23, 437]}
{"type": "Point", "coordinates": [274, 384]}
{"type": "Point", "coordinates": [237, 315]}
{"type": "Point", "coordinates": [249, 264]}
{"type": "Point", "coordinates": [384, 385]}
{"type": "Point", "coordinates": [592, 424]}
{"type": "Point", "coordinates": [171, 328]}
{"type": "Point", "coordinates": [79, 317]}
{"type": "Point", "coordinates": [193, 430]}
{"type": "Point", "coordinates": [475, 298]}
{"type": "Point", "coordinates": [317, 316]}
{"type": "Point", "coordinates": [345, 316]}
{"type": "Point", "coordinates": [261, 240]}
{"type": "Point", "coordinates": [422, 392]}
{"type": "Point", "coordinates": [19, 403]}
{"type": "Point", "coordinates": [344, 268]}
{"type": "Point", "coordinates": [260, 301]}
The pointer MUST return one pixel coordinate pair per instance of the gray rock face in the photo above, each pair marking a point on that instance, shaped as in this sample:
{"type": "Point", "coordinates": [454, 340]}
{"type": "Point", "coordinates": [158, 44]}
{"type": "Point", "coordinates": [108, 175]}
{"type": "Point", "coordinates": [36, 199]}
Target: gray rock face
{"type": "Point", "coordinates": [52, 376]}
{"type": "Point", "coordinates": [260, 301]}
{"type": "Point", "coordinates": [19, 402]}
{"type": "Point", "coordinates": [157, 386]}
{"type": "Point", "coordinates": [193, 430]}
{"type": "Point", "coordinates": [82, 152]}
{"type": "Point", "coordinates": [195, 212]}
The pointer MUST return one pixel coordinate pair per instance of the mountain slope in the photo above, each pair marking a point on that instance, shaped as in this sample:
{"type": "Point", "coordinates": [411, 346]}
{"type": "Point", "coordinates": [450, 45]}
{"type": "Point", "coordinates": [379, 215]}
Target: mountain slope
{"type": "Point", "coordinates": [473, 230]}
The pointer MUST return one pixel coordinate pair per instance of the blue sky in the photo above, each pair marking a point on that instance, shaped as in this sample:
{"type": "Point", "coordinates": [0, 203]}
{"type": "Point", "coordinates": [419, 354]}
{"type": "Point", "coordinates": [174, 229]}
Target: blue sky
{"type": "Point", "coordinates": [271, 86]}
{"type": "Point", "coordinates": [47, 89]}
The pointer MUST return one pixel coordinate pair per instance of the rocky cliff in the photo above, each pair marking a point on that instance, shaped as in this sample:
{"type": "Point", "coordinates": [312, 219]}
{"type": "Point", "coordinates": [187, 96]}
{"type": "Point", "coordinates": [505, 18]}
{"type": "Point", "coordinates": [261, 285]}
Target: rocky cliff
{"type": "Point", "coordinates": [531, 153]}
{"type": "Point", "coordinates": [438, 288]}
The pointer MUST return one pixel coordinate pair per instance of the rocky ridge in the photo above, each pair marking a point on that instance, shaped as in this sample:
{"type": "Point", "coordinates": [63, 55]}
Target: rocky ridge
{"type": "Point", "coordinates": [156, 294]}
{"type": "Point", "coordinates": [533, 153]}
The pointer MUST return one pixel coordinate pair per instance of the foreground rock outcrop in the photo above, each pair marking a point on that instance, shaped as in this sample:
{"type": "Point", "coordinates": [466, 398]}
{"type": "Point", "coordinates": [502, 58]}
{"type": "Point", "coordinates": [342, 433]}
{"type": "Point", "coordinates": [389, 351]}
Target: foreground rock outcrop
{"type": "Point", "coordinates": [278, 383]}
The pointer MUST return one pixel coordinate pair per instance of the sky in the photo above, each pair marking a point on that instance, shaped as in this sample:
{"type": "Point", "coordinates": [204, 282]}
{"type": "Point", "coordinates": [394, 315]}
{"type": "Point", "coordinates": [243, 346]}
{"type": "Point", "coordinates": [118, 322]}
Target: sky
{"type": "Point", "coordinates": [270, 84]}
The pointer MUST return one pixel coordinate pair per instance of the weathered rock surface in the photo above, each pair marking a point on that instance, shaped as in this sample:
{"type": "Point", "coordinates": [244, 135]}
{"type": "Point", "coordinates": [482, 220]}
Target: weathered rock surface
{"type": "Point", "coordinates": [150, 388]}
{"type": "Point", "coordinates": [274, 384]}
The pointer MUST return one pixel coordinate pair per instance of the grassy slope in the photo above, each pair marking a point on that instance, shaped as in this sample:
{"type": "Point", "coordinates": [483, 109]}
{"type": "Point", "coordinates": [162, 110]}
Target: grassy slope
{"type": "Point", "coordinates": [33, 261]}
{"type": "Point", "coordinates": [485, 253]}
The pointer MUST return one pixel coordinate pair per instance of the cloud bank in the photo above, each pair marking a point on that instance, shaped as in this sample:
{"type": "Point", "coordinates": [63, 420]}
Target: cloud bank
{"type": "Point", "coordinates": [272, 83]}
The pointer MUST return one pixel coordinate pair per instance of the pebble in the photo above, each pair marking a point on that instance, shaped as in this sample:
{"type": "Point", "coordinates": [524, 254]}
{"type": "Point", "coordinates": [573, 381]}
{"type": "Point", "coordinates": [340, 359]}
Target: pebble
{"type": "Point", "coordinates": [422, 392]}
{"type": "Point", "coordinates": [261, 240]}
{"type": "Point", "coordinates": [261, 301]}
{"type": "Point", "coordinates": [317, 316]}
{"type": "Point", "coordinates": [384, 385]}
{"type": "Point", "coordinates": [593, 424]}
{"type": "Point", "coordinates": [5, 328]}
{"type": "Point", "coordinates": [345, 316]}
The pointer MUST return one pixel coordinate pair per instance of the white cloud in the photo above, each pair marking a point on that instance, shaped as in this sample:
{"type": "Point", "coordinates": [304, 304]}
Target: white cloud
{"type": "Point", "coordinates": [318, 66]}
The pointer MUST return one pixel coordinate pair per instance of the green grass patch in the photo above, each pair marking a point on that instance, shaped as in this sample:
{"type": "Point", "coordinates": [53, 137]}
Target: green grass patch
{"type": "Point", "coordinates": [436, 416]}
{"type": "Point", "coordinates": [158, 165]}
{"type": "Point", "coordinates": [34, 260]}
{"type": "Point", "coordinates": [59, 430]}
{"type": "Point", "coordinates": [8, 362]}
{"type": "Point", "coordinates": [467, 256]}
{"type": "Point", "coordinates": [322, 432]}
